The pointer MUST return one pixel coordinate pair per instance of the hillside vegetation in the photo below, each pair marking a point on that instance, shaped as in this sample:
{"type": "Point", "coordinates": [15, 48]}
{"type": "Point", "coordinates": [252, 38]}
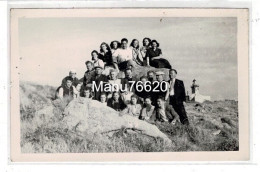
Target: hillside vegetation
{"type": "Point", "coordinates": [55, 126]}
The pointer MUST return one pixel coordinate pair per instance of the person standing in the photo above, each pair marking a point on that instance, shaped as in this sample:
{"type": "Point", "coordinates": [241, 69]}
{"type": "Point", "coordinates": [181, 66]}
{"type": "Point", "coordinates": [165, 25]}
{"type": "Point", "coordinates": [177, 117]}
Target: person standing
{"type": "Point", "coordinates": [176, 94]}
{"type": "Point", "coordinates": [89, 73]}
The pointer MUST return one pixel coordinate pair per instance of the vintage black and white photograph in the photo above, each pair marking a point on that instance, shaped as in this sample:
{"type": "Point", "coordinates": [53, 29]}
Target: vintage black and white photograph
{"type": "Point", "coordinates": [127, 84]}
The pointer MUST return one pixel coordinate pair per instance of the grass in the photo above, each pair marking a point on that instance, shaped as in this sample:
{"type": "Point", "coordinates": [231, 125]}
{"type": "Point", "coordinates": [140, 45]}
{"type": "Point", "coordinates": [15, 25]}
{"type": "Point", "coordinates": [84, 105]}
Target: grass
{"type": "Point", "coordinates": [46, 132]}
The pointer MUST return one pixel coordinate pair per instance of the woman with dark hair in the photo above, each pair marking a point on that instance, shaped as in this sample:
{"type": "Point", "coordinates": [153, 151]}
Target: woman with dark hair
{"type": "Point", "coordinates": [145, 47]}
{"type": "Point", "coordinates": [105, 54]}
{"type": "Point", "coordinates": [137, 57]}
{"type": "Point", "coordinates": [154, 57]}
{"type": "Point", "coordinates": [96, 60]}
{"type": "Point", "coordinates": [116, 102]}
{"type": "Point", "coordinates": [114, 45]}
{"type": "Point", "coordinates": [133, 109]}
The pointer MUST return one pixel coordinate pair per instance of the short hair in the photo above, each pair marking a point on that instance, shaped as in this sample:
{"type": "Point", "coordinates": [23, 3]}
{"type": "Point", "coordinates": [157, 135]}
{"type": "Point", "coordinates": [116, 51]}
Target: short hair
{"type": "Point", "coordinates": [148, 97]}
{"type": "Point", "coordinates": [69, 79]}
{"type": "Point", "coordinates": [150, 71]}
{"type": "Point", "coordinates": [124, 39]}
{"type": "Point", "coordinates": [94, 51]}
{"type": "Point", "coordinates": [149, 40]}
{"type": "Point", "coordinates": [115, 93]}
{"type": "Point", "coordinates": [132, 43]}
{"type": "Point", "coordinates": [143, 77]}
{"type": "Point", "coordinates": [103, 93]}
{"type": "Point", "coordinates": [155, 42]}
{"type": "Point", "coordinates": [161, 98]}
{"type": "Point", "coordinates": [128, 68]}
{"type": "Point", "coordinates": [173, 70]}
{"type": "Point", "coordinates": [87, 89]}
{"type": "Point", "coordinates": [103, 43]}
{"type": "Point", "coordinates": [112, 70]}
{"type": "Point", "coordinates": [134, 96]}
{"type": "Point", "coordinates": [88, 62]}
{"type": "Point", "coordinates": [112, 46]}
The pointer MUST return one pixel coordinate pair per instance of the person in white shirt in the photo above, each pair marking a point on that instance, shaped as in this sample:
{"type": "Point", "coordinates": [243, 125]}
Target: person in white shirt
{"type": "Point", "coordinates": [123, 57]}
{"type": "Point", "coordinates": [67, 90]}
{"type": "Point", "coordinates": [96, 60]}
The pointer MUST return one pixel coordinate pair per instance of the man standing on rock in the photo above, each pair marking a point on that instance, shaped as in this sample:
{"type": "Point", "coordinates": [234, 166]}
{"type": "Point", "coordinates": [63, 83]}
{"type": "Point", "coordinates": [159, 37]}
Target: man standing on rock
{"type": "Point", "coordinates": [89, 73]}
{"type": "Point", "coordinates": [177, 95]}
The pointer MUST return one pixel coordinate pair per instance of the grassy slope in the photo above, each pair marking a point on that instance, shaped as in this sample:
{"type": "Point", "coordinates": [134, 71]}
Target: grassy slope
{"type": "Point", "coordinates": [214, 127]}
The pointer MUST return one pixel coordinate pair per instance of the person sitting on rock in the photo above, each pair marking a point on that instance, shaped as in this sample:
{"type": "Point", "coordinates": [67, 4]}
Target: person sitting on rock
{"type": "Point", "coordinates": [154, 57]}
{"type": "Point", "coordinates": [147, 110]}
{"type": "Point", "coordinates": [133, 108]}
{"type": "Point", "coordinates": [144, 48]}
{"type": "Point", "coordinates": [129, 80]}
{"type": "Point", "coordinates": [96, 81]}
{"type": "Point", "coordinates": [103, 98]}
{"type": "Point", "coordinates": [89, 73]}
{"type": "Point", "coordinates": [116, 102]}
{"type": "Point", "coordinates": [124, 56]}
{"type": "Point", "coordinates": [72, 74]}
{"type": "Point", "coordinates": [150, 76]}
{"type": "Point", "coordinates": [114, 45]}
{"type": "Point", "coordinates": [137, 57]}
{"type": "Point", "coordinates": [67, 90]}
{"type": "Point", "coordinates": [163, 112]}
{"type": "Point", "coordinates": [114, 81]}
{"type": "Point", "coordinates": [146, 90]}
{"type": "Point", "coordinates": [106, 55]}
{"type": "Point", "coordinates": [96, 60]}
{"type": "Point", "coordinates": [87, 93]}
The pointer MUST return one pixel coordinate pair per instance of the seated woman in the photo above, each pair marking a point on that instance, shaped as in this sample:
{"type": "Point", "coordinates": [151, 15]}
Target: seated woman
{"type": "Point", "coordinates": [154, 57]}
{"type": "Point", "coordinates": [133, 108]}
{"type": "Point", "coordinates": [116, 102]}
{"type": "Point", "coordinates": [144, 48]}
{"type": "Point", "coordinates": [96, 60]}
{"type": "Point", "coordinates": [137, 57]}
{"type": "Point", "coordinates": [147, 110]}
{"type": "Point", "coordinates": [114, 45]}
{"type": "Point", "coordinates": [106, 55]}
{"type": "Point", "coordinates": [103, 98]}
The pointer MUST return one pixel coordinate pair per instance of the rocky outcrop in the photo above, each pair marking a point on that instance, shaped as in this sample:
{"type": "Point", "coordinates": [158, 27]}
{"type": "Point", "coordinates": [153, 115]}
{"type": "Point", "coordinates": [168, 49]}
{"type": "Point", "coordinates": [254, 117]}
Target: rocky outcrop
{"type": "Point", "coordinates": [94, 117]}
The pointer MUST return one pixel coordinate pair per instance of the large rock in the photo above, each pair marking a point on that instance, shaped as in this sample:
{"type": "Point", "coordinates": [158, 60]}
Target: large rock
{"type": "Point", "coordinates": [94, 117]}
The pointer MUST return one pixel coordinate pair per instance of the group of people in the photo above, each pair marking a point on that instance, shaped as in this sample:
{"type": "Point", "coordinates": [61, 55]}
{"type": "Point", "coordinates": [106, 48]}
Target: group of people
{"type": "Point", "coordinates": [164, 105]}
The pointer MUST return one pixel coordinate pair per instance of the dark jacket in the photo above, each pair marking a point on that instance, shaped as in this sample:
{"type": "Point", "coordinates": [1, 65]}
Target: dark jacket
{"type": "Point", "coordinates": [125, 81]}
{"type": "Point", "coordinates": [97, 80]}
{"type": "Point", "coordinates": [179, 91]}
{"type": "Point", "coordinates": [88, 76]}
{"type": "Point", "coordinates": [75, 81]}
{"type": "Point", "coordinates": [118, 106]}
{"type": "Point", "coordinates": [169, 112]}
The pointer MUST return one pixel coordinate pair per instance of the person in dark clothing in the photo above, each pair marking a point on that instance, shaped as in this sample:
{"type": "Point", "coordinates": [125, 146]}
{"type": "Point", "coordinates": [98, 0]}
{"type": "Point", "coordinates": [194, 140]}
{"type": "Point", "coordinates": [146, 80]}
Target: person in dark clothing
{"type": "Point", "coordinates": [116, 102]}
{"type": "Point", "coordinates": [177, 95]}
{"type": "Point", "coordinates": [66, 91]}
{"type": "Point", "coordinates": [154, 57]}
{"type": "Point", "coordinates": [163, 112]}
{"type": "Point", "coordinates": [144, 92]}
{"type": "Point", "coordinates": [106, 54]}
{"type": "Point", "coordinates": [150, 76]}
{"type": "Point", "coordinates": [96, 81]}
{"type": "Point", "coordinates": [89, 73]}
{"type": "Point", "coordinates": [159, 87]}
{"type": "Point", "coordinates": [75, 80]}
{"type": "Point", "coordinates": [125, 82]}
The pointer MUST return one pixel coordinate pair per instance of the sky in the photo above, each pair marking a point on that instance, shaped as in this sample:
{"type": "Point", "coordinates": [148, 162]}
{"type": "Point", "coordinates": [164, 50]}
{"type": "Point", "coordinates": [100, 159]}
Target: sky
{"type": "Point", "coordinates": [200, 48]}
